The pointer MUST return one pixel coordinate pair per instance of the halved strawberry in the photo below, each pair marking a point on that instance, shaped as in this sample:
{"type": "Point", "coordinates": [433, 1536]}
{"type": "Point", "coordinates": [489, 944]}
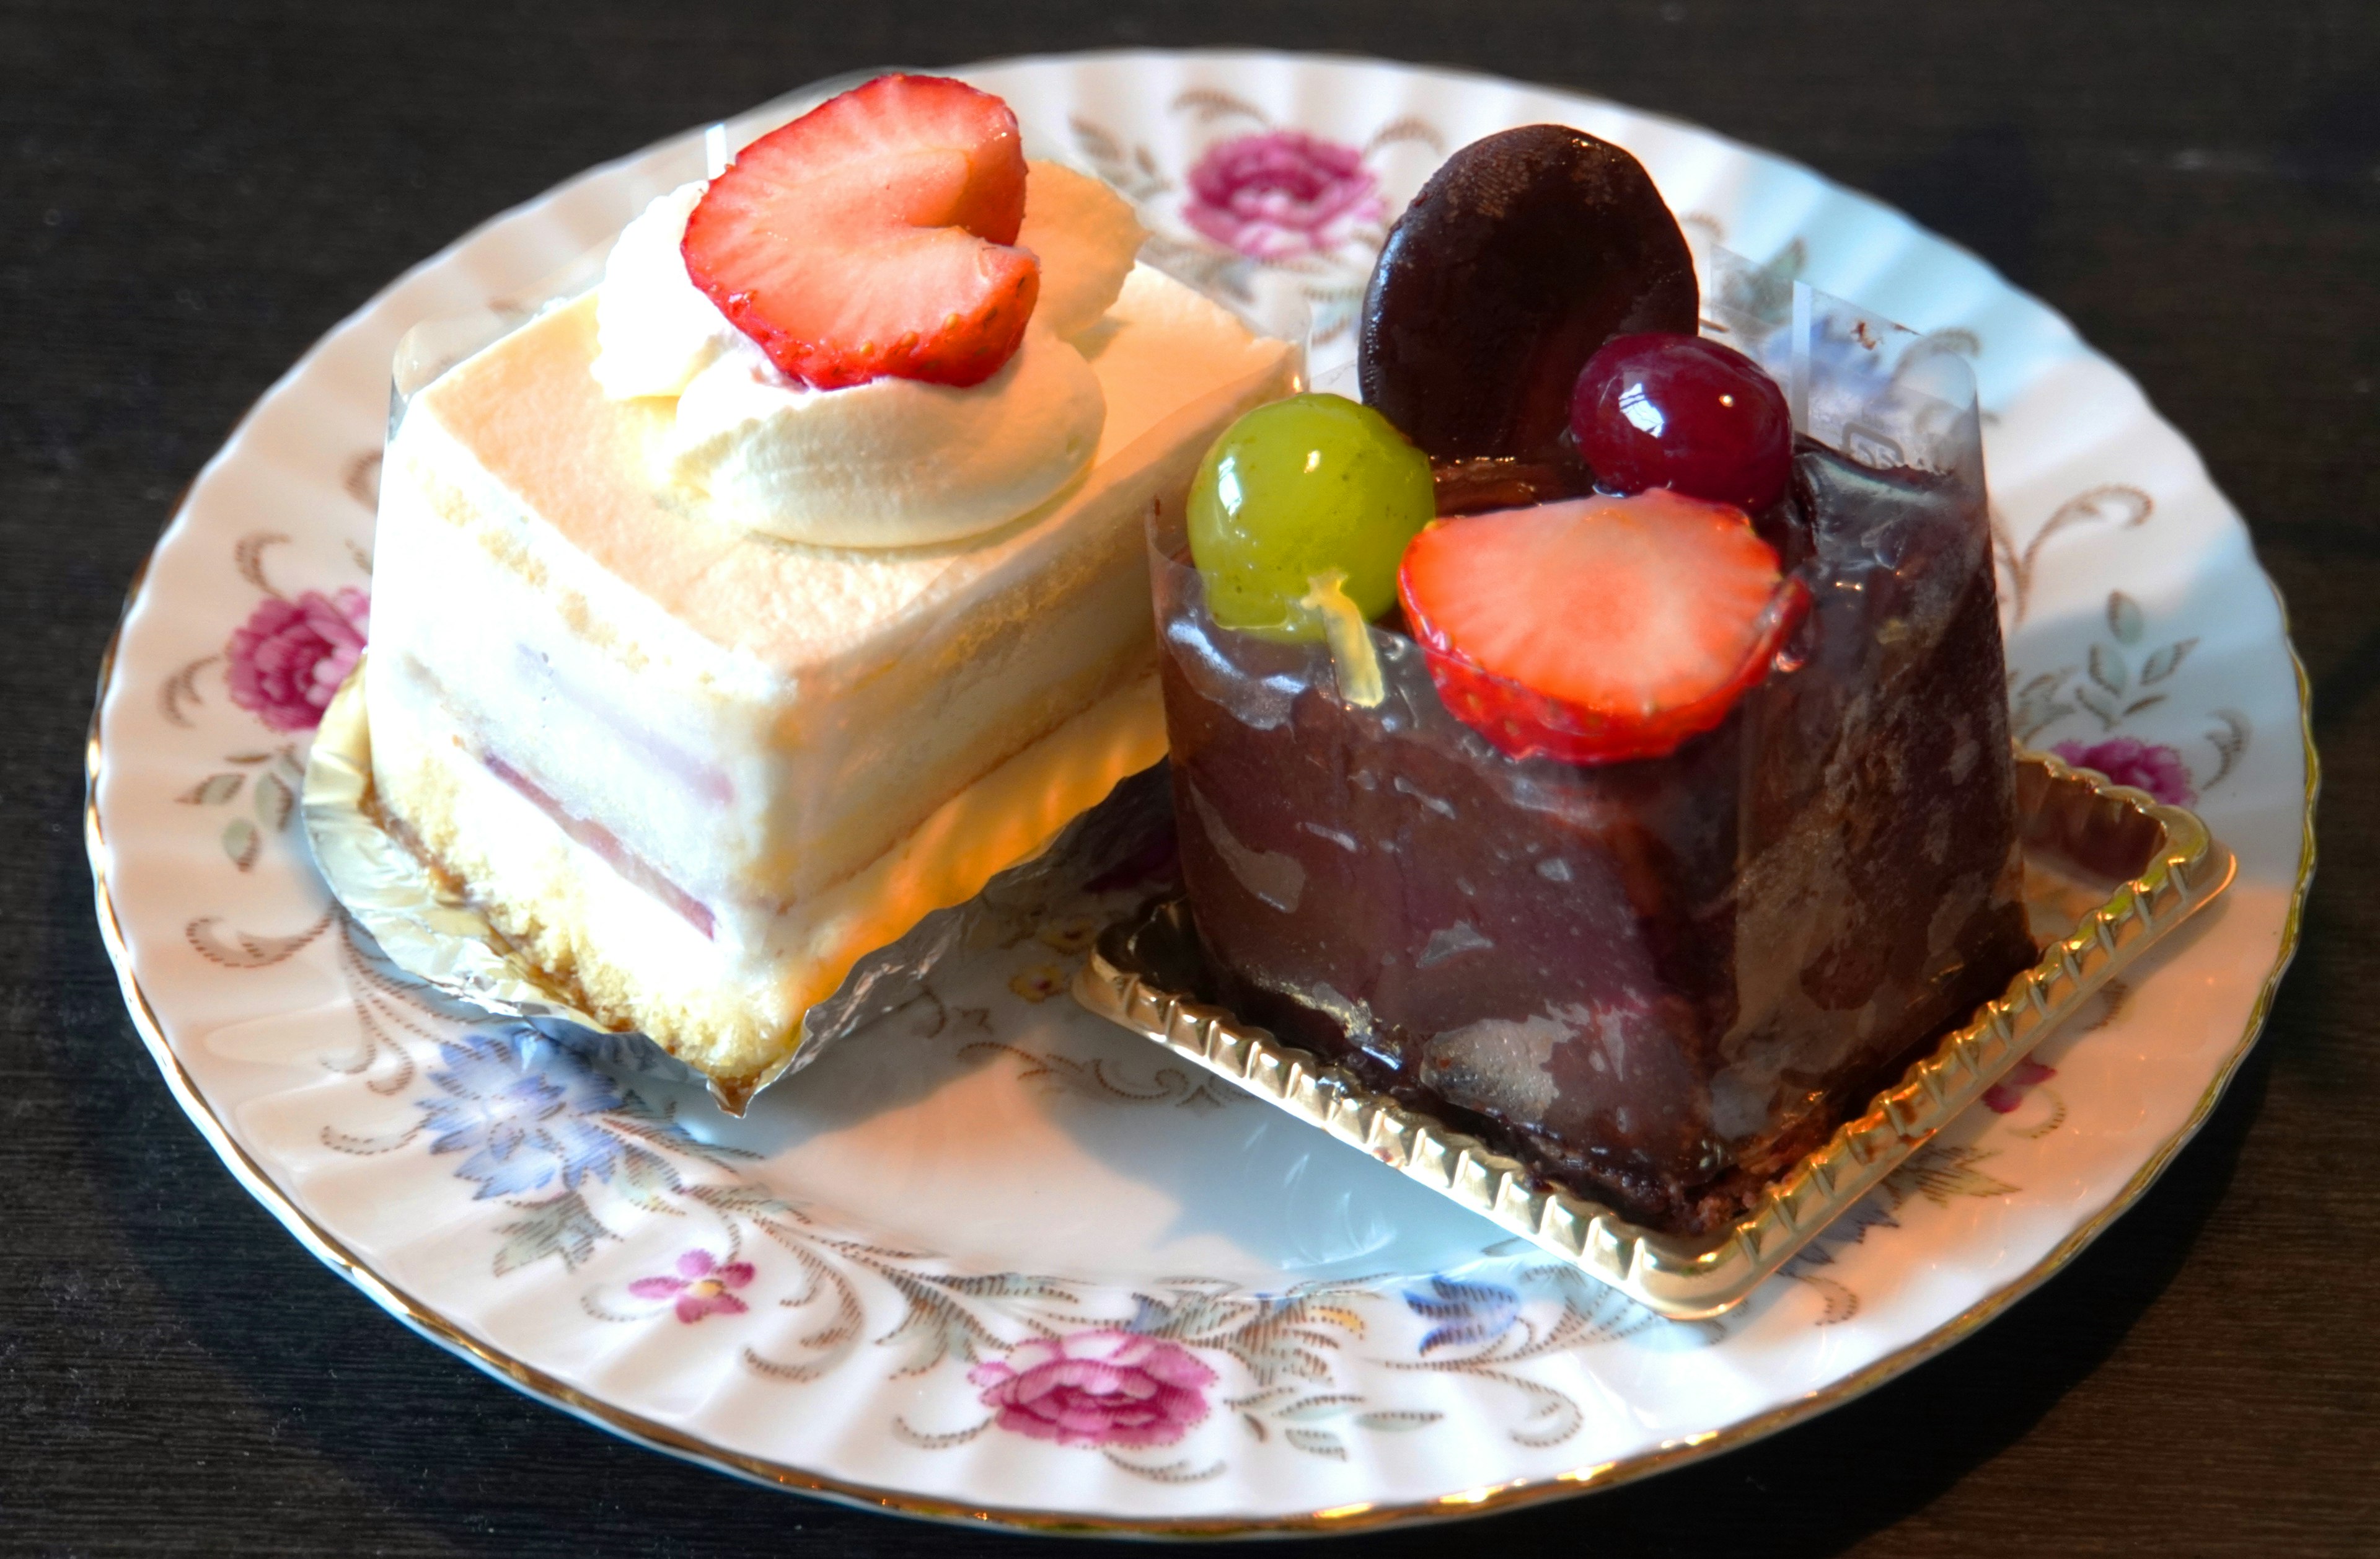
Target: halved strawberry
{"type": "Point", "coordinates": [1598, 628]}
{"type": "Point", "coordinates": [871, 237]}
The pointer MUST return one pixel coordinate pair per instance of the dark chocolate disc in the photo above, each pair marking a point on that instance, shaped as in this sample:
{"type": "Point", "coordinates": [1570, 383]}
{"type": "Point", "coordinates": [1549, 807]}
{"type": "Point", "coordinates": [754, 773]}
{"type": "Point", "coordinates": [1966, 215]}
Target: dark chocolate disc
{"type": "Point", "coordinates": [1523, 254]}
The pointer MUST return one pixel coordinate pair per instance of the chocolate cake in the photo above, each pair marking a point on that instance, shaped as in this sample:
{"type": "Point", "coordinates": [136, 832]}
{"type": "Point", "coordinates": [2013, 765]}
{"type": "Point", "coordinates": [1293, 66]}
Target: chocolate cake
{"type": "Point", "coordinates": [1658, 981]}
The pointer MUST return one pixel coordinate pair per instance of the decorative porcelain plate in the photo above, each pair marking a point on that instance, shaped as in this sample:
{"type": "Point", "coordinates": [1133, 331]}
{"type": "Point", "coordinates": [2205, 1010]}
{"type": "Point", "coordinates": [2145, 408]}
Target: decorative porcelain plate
{"type": "Point", "coordinates": [997, 1259]}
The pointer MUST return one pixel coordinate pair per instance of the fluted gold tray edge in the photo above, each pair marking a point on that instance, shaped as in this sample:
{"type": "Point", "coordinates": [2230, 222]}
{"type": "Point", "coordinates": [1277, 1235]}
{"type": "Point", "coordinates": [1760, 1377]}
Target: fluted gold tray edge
{"type": "Point", "coordinates": [1693, 1279]}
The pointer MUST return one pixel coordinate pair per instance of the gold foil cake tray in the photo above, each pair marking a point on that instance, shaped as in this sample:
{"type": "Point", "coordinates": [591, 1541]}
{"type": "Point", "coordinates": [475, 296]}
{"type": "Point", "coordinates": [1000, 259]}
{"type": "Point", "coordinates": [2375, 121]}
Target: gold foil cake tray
{"type": "Point", "coordinates": [2074, 824]}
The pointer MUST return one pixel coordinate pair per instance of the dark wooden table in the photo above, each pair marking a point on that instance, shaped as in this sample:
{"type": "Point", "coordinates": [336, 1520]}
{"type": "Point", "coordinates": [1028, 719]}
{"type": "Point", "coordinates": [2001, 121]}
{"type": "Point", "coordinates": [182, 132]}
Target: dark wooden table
{"type": "Point", "coordinates": [191, 195]}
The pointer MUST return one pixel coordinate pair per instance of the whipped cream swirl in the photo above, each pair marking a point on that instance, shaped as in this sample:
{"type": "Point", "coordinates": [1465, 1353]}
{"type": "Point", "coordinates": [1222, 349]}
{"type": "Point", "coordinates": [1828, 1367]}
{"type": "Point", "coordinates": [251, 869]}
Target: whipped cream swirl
{"type": "Point", "coordinates": [890, 463]}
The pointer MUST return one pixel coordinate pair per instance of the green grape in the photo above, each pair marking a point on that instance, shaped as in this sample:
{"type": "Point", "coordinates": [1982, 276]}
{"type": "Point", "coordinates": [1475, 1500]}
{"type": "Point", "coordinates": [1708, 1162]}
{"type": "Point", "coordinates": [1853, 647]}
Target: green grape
{"type": "Point", "coordinates": [1296, 488]}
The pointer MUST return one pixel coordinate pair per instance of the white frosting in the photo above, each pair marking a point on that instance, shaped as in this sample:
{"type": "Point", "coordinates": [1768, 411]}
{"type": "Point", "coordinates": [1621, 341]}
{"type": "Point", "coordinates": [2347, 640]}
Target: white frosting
{"type": "Point", "coordinates": [890, 463]}
{"type": "Point", "coordinates": [894, 462]}
{"type": "Point", "coordinates": [1085, 236]}
{"type": "Point", "coordinates": [658, 329]}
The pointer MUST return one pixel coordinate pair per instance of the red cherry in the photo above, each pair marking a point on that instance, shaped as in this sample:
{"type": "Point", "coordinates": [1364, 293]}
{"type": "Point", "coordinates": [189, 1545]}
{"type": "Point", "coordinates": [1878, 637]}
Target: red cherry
{"type": "Point", "coordinates": [1655, 409]}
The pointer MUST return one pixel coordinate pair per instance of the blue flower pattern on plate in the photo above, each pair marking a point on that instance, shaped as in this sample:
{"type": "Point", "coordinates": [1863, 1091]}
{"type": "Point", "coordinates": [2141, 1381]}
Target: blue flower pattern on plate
{"type": "Point", "coordinates": [1464, 1312]}
{"type": "Point", "coordinates": [518, 1104]}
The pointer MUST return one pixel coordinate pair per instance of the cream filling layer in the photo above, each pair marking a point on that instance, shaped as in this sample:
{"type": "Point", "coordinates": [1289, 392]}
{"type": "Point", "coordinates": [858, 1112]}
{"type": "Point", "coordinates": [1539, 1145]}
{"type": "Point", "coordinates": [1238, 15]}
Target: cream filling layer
{"type": "Point", "coordinates": [730, 1003]}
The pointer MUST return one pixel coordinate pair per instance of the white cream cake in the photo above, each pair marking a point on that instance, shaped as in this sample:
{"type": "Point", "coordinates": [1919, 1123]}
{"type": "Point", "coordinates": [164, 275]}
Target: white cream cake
{"type": "Point", "coordinates": [634, 683]}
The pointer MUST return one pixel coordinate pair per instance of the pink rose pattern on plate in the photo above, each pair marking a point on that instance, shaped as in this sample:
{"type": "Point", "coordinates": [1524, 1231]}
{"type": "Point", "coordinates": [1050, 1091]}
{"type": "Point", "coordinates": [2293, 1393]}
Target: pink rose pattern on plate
{"type": "Point", "coordinates": [1282, 194]}
{"type": "Point", "coordinates": [1106, 1388]}
{"type": "Point", "coordinates": [284, 664]}
{"type": "Point", "coordinates": [279, 666]}
{"type": "Point", "coordinates": [2149, 766]}
{"type": "Point", "coordinates": [1280, 198]}
{"type": "Point", "coordinates": [1277, 197]}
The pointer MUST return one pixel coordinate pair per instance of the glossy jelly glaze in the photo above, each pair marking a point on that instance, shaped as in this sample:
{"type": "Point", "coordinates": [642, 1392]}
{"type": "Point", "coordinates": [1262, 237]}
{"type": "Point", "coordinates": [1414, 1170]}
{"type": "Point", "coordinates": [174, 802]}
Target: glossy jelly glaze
{"type": "Point", "coordinates": [1658, 981]}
